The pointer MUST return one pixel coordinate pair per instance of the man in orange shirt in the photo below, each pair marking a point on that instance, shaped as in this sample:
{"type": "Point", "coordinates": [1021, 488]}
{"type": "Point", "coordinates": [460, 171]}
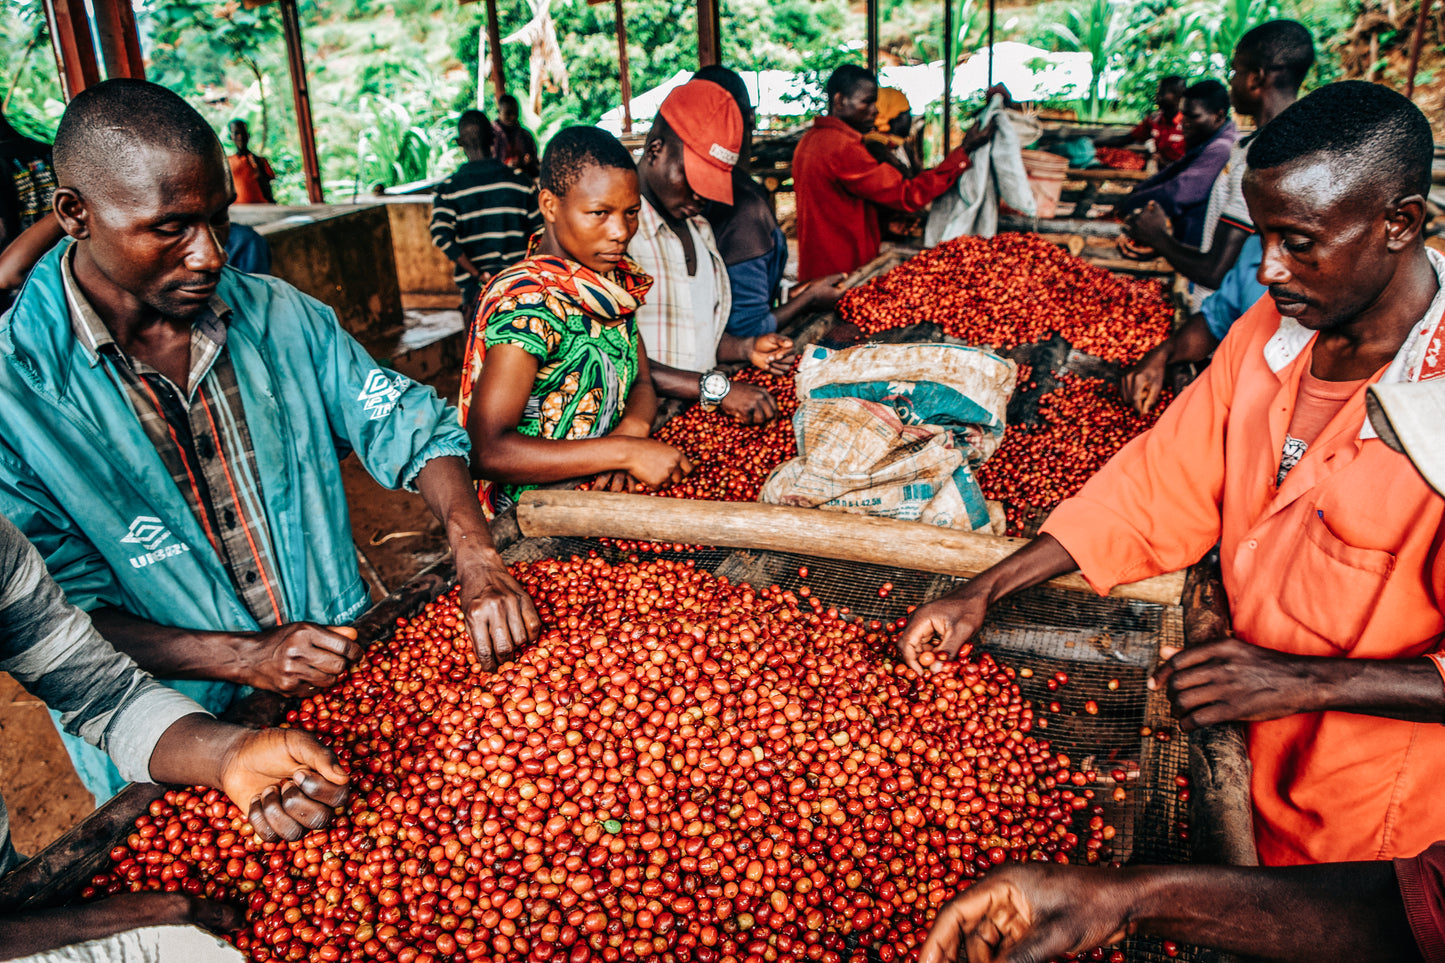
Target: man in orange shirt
{"type": "Point", "coordinates": [1331, 543]}
{"type": "Point", "coordinates": [835, 178]}
{"type": "Point", "coordinates": [250, 173]}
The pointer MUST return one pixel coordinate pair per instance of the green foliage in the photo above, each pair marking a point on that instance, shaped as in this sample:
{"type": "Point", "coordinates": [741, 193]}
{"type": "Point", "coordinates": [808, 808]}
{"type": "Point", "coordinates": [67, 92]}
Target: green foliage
{"type": "Point", "coordinates": [1102, 30]}
{"type": "Point", "coordinates": [30, 94]}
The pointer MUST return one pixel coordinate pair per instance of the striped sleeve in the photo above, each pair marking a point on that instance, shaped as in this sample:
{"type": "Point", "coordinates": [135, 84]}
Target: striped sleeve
{"type": "Point", "coordinates": [51, 647]}
{"type": "Point", "coordinates": [444, 221]}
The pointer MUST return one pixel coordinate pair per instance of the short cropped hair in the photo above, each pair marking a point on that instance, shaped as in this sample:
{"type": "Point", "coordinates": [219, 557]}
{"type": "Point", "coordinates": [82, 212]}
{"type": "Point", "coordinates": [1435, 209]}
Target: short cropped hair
{"type": "Point", "coordinates": [1172, 82]}
{"type": "Point", "coordinates": [1362, 130]}
{"type": "Point", "coordinates": [1213, 95]}
{"type": "Point", "coordinates": [474, 124]}
{"type": "Point", "coordinates": [846, 79]}
{"type": "Point", "coordinates": [507, 100]}
{"type": "Point", "coordinates": [574, 149]}
{"type": "Point", "coordinates": [105, 124]}
{"type": "Point", "coordinates": [730, 81]}
{"type": "Point", "coordinates": [1283, 49]}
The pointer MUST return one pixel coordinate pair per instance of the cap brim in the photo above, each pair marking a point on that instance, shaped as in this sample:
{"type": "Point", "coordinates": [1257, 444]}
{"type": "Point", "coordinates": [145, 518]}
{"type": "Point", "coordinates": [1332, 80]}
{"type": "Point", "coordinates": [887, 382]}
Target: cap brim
{"type": "Point", "coordinates": [1409, 418]}
{"type": "Point", "coordinates": [706, 179]}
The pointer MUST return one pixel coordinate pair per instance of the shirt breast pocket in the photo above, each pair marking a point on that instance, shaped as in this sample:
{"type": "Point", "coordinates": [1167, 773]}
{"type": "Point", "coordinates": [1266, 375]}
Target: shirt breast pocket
{"type": "Point", "coordinates": [1332, 586]}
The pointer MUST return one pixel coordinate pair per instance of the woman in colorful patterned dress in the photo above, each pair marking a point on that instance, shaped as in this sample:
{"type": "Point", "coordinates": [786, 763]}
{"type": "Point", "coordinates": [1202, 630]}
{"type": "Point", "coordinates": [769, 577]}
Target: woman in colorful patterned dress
{"type": "Point", "coordinates": [555, 384]}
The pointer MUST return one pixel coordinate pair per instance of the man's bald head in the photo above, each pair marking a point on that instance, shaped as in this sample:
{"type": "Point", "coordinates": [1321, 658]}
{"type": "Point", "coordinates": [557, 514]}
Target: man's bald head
{"type": "Point", "coordinates": [1365, 133]}
{"type": "Point", "coordinates": [107, 128]}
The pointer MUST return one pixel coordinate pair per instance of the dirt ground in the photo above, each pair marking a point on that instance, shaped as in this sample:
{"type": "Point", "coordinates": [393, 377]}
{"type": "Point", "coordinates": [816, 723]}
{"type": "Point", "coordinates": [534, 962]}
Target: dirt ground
{"type": "Point", "coordinates": [398, 538]}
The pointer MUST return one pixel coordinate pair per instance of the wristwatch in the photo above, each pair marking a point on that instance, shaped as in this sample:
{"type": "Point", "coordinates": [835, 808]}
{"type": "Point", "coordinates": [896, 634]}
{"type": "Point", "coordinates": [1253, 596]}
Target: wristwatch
{"type": "Point", "coordinates": [712, 387]}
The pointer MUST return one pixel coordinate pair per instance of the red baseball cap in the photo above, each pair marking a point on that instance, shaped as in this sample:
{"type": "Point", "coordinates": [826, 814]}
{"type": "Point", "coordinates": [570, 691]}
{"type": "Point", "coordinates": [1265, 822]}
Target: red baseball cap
{"type": "Point", "coordinates": [707, 121]}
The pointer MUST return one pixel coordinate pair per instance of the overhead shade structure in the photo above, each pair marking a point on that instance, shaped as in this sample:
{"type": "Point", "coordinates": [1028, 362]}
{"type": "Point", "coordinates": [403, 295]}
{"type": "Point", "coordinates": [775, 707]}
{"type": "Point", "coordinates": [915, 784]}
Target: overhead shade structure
{"type": "Point", "coordinates": [73, 43]}
{"type": "Point", "coordinates": [709, 33]}
{"type": "Point", "coordinates": [301, 94]}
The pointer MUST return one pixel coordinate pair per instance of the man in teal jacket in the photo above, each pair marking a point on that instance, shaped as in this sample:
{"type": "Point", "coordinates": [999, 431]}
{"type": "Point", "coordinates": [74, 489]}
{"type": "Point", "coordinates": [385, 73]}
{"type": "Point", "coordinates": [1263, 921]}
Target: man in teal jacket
{"type": "Point", "coordinates": [173, 429]}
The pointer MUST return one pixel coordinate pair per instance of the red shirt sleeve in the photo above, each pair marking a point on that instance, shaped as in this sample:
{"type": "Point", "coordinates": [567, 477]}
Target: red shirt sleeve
{"type": "Point", "coordinates": [861, 174]}
{"type": "Point", "coordinates": [1422, 887]}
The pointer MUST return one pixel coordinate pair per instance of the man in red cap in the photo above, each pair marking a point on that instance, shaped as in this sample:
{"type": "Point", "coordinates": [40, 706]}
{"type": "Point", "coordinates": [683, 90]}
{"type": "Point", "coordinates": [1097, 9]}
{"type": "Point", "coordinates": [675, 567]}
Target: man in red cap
{"type": "Point", "coordinates": [839, 184]}
{"type": "Point", "coordinates": [687, 161]}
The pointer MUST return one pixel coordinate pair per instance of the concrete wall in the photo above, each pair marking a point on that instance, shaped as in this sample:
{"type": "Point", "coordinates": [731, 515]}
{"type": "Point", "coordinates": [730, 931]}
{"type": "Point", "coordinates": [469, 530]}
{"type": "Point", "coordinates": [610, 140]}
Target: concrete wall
{"type": "Point", "coordinates": [339, 254]}
{"type": "Point", "coordinates": [423, 271]}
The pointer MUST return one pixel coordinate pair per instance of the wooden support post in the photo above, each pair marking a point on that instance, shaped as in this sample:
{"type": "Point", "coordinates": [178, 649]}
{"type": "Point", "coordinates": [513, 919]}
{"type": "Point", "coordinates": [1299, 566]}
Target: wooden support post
{"type": "Point", "coordinates": [118, 39]}
{"type": "Point", "coordinates": [709, 33]}
{"type": "Point", "coordinates": [494, 52]}
{"type": "Point", "coordinates": [871, 10]}
{"type": "Point", "coordinates": [623, 70]}
{"type": "Point", "coordinates": [1415, 43]}
{"type": "Point", "coordinates": [74, 47]}
{"type": "Point", "coordinates": [301, 93]}
{"type": "Point", "coordinates": [992, 17]}
{"type": "Point", "coordinates": [947, 72]}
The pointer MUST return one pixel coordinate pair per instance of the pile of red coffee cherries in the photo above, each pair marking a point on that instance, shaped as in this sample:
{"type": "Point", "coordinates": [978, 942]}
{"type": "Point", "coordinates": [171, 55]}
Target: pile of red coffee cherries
{"type": "Point", "coordinates": [681, 769]}
{"type": "Point", "coordinates": [1015, 289]}
{"type": "Point", "coordinates": [1081, 425]}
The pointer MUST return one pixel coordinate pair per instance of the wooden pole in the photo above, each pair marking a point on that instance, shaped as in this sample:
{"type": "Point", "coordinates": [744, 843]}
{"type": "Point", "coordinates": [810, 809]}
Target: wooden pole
{"type": "Point", "coordinates": [709, 33]}
{"type": "Point", "coordinates": [992, 17]}
{"type": "Point", "coordinates": [947, 72]}
{"type": "Point", "coordinates": [118, 39]}
{"type": "Point", "coordinates": [623, 70]}
{"type": "Point", "coordinates": [805, 531]}
{"type": "Point", "coordinates": [301, 93]}
{"type": "Point", "coordinates": [494, 51]}
{"type": "Point", "coordinates": [1415, 42]}
{"type": "Point", "coordinates": [871, 10]}
{"type": "Point", "coordinates": [74, 47]}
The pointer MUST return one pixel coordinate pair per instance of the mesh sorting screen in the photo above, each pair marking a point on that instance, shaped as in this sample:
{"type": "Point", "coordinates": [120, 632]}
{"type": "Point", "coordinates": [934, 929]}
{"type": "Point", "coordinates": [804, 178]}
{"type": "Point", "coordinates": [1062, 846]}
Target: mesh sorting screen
{"type": "Point", "coordinates": [1106, 647]}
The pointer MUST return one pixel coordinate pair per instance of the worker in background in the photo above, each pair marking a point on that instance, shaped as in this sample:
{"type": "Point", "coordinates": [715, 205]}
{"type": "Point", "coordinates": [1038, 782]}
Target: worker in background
{"type": "Point", "coordinates": [837, 181]}
{"type": "Point", "coordinates": [891, 140]}
{"type": "Point", "coordinates": [1365, 911]}
{"type": "Point", "coordinates": [1182, 189]}
{"type": "Point", "coordinates": [174, 430]}
{"type": "Point", "coordinates": [283, 779]}
{"type": "Point", "coordinates": [556, 383]}
{"type": "Point", "coordinates": [1330, 542]}
{"type": "Point", "coordinates": [250, 173]}
{"type": "Point", "coordinates": [1196, 339]}
{"type": "Point", "coordinates": [752, 244]}
{"type": "Point", "coordinates": [1165, 126]}
{"type": "Point", "coordinates": [688, 161]}
{"type": "Point", "coordinates": [483, 215]}
{"type": "Point", "coordinates": [1270, 63]}
{"type": "Point", "coordinates": [27, 182]}
{"type": "Point", "coordinates": [514, 145]}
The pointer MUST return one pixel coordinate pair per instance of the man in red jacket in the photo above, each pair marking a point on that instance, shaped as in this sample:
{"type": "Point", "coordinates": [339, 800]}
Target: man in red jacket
{"type": "Point", "coordinates": [838, 182]}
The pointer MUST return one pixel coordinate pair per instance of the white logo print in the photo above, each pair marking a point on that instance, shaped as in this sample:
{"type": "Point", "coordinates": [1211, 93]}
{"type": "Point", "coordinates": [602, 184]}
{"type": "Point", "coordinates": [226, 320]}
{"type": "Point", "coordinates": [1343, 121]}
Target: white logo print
{"type": "Point", "coordinates": [381, 393]}
{"type": "Point", "coordinates": [151, 533]}
{"type": "Point", "coordinates": [147, 530]}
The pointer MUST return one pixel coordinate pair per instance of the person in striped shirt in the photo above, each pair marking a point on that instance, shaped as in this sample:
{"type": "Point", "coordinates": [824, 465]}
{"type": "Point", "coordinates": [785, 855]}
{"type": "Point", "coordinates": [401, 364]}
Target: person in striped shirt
{"type": "Point", "coordinates": [484, 214]}
{"type": "Point", "coordinates": [287, 783]}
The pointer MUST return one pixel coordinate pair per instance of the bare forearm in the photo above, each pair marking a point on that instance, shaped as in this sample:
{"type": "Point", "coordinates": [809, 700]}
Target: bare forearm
{"type": "Point", "coordinates": [790, 309]}
{"type": "Point", "coordinates": [1202, 267]}
{"type": "Point", "coordinates": [192, 752]}
{"type": "Point", "coordinates": [1192, 342]}
{"type": "Point", "coordinates": [1037, 562]}
{"type": "Point", "coordinates": [28, 247]}
{"type": "Point", "coordinates": [1339, 911]}
{"type": "Point", "coordinates": [732, 348]}
{"type": "Point", "coordinates": [1408, 689]}
{"type": "Point", "coordinates": [520, 460]}
{"type": "Point", "coordinates": [447, 487]}
{"type": "Point", "coordinates": [47, 930]}
{"type": "Point", "coordinates": [172, 653]}
{"type": "Point", "coordinates": [672, 382]}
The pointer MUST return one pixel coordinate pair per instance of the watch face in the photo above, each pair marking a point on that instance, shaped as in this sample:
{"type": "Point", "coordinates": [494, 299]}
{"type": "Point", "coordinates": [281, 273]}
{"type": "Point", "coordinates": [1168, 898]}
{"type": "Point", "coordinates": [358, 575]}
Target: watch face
{"type": "Point", "coordinates": [715, 384]}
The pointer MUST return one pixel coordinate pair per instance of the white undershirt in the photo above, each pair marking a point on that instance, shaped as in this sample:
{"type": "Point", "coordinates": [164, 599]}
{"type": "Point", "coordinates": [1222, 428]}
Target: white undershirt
{"type": "Point", "coordinates": [704, 305]}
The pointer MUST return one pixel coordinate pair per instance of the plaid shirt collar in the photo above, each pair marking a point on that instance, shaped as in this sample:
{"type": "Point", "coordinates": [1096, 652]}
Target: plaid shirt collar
{"type": "Point", "coordinates": [208, 329]}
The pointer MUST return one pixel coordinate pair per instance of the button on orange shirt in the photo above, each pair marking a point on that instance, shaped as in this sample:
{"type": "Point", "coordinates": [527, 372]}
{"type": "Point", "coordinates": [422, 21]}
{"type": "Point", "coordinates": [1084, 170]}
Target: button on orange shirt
{"type": "Point", "coordinates": [246, 175]}
{"type": "Point", "coordinates": [1342, 559]}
